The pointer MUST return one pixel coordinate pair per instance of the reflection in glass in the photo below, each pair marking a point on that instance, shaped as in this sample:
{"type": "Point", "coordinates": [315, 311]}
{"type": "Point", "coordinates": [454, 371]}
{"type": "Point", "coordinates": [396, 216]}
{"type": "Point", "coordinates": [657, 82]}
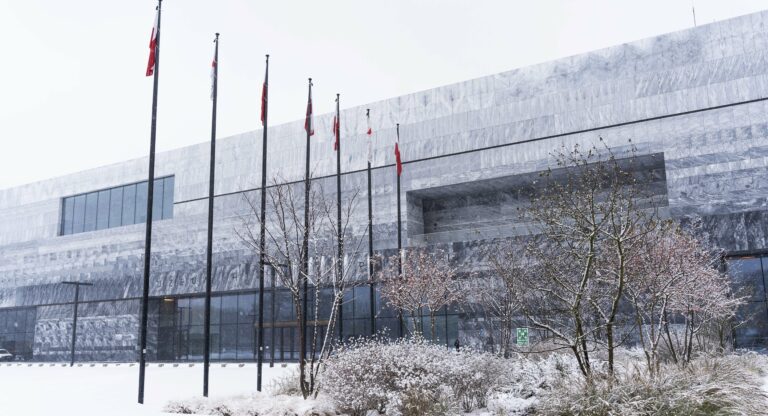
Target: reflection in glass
{"type": "Point", "coordinates": [115, 207]}
{"type": "Point", "coordinates": [102, 212]}
{"type": "Point", "coordinates": [78, 221]}
{"type": "Point", "coordinates": [129, 205]}
{"type": "Point", "coordinates": [141, 202]}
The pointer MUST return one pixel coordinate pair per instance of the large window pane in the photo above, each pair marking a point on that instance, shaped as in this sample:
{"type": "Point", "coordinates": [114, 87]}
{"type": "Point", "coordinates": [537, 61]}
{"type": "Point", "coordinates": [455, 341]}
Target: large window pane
{"type": "Point", "coordinates": [91, 201]}
{"type": "Point", "coordinates": [246, 308]}
{"type": "Point", "coordinates": [102, 212]}
{"type": "Point", "coordinates": [747, 276]}
{"type": "Point", "coordinates": [228, 342]}
{"type": "Point", "coordinates": [168, 198]}
{"type": "Point", "coordinates": [215, 310]}
{"type": "Point", "coordinates": [168, 314]}
{"type": "Point", "coordinates": [362, 302]}
{"type": "Point", "coordinates": [129, 204]}
{"type": "Point", "coordinates": [229, 309]}
{"type": "Point", "coordinates": [141, 202]}
{"type": "Point", "coordinates": [196, 338]}
{"type": "Point", "coordinates": [197, 311]}
{"type": "Point", "coordinates": [67, 215]}
{"type": "Point", "coordinates": [115, 207]}
{"type": "Point", "coordinates": [326, 303]}
{"type": "Point", "coordinates": [183, 309]}
{"type": "Point", "coordinates": [78, 220]}
{"type": "Point", "coordinates": [245, 342]}
{"type": "Point", "coordinates": [215, 342]}
{"type": "Point", "coordinates": [157, 200]}
{"type": "Point", "coordinates": [284, 306]}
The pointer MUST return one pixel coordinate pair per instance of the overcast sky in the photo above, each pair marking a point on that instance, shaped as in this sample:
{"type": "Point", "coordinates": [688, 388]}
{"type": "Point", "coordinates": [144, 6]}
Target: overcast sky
{"type": "Point", "coordinates": [74, 95]}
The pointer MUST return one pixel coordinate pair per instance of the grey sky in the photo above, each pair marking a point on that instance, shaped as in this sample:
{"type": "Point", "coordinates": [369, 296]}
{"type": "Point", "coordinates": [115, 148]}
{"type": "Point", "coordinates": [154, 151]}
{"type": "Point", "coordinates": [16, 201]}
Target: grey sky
{"type": "Point", "coordinates": [74, 95]}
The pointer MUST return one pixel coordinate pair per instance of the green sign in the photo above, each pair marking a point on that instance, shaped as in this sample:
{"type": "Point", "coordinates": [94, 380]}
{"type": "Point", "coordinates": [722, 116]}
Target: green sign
{"type": "Point", "coordinates": [522, 336]}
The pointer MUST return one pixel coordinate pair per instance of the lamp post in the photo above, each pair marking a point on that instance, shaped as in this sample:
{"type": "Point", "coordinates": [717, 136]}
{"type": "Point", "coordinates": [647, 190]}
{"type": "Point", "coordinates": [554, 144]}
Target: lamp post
{"type": "Point", "coordinates": [74, 320]}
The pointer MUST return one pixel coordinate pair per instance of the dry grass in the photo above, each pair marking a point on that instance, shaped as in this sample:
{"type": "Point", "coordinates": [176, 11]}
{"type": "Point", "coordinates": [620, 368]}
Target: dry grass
{"type": "Point", "coordinates": [724, 385]}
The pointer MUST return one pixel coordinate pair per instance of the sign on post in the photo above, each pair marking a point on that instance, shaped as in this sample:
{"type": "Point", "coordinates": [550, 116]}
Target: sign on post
{"type": "Point", "coordinates": [522, 336]}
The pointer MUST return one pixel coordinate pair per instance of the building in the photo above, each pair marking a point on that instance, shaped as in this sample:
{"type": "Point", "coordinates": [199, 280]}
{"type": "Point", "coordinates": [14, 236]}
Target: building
{"type": "Point", "coordinates": [697, 98]}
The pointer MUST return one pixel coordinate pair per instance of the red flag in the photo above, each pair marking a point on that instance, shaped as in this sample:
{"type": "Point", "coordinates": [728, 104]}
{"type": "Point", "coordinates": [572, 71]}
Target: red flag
{"type": "Point", "coordinates": [309, 126]}
{"type": "Point", "coordinates": [397, 154]}
{"type": "Point", "coordinates": [370, 136]}
{"type": "Point", "coordinates": [264, 103]}
{"type": "Point", "coordinates": [152, 49]}
{"type": "Point", "coordinates": [335, 133]}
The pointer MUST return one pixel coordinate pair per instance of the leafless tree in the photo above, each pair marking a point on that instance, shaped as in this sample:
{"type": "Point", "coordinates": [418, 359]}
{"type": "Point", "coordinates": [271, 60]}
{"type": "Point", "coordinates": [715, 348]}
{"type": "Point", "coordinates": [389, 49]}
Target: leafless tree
{"type": "Point", "coordinates": [676, 277]}
{"type": "Point", "coordinates": [497, 292]}
{"type": "Point", "coordinates": [429, 282]}
{"type": "Point", "coordinates": [285, 234]}
{"type": "Point", "coordinates": [589, 218]}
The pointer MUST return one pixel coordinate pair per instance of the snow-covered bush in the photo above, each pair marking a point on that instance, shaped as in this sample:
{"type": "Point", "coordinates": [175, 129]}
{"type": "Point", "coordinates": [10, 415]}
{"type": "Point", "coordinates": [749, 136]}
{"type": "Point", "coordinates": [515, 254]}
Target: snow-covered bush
{"type": "Point", "coordinates": [286, 384]}
{"type": "Point", "coordinates": [409, 377]}
{"type": "Point", "coordinates": [717, 385]}
{"type": "Point", "coordinates": [256, 404]}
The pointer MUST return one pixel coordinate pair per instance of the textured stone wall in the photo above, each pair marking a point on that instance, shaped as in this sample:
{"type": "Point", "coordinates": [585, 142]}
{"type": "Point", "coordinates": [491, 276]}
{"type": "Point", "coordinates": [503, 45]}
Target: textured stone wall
{"type": "Point", "coordinates": [695, 97]}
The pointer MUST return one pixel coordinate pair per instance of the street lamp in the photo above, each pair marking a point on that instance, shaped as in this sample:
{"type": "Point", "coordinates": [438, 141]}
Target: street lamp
{"type": "Point", "coordinates": [74, 320]}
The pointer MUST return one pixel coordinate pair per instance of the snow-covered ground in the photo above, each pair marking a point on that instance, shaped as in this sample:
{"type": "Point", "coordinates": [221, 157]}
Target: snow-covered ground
{"type": "Point", "coordinates": [113, 390]}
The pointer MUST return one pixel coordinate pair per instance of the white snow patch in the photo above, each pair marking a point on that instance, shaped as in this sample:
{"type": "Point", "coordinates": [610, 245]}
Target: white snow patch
{"type": "Point", "coordinates": [113, 390]}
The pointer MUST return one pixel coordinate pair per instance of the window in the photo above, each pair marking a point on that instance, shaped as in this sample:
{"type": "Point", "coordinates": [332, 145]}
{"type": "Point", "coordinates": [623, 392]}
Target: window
{"type": "Point", "coordinates": [114, 207]}
{"type": "Point", "coordinates": [17, 331]}
{"type": "Point", "coordinates": [750, 276]}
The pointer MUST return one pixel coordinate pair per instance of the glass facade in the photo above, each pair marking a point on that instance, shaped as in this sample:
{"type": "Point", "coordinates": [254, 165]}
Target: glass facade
{"type": "Point", "coordinates": [17, 331]}
{"type": "Point", "coordinates": [750, 278]}
{"type": "Point", "coordinates": [234, 320]}
{"type": "Point", "coordinates": [115, 207]}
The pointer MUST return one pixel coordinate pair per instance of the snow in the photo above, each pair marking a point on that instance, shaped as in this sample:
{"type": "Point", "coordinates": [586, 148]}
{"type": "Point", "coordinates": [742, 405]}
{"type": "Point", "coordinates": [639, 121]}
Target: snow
{"type": "Point", "coordinates": [113, 390]}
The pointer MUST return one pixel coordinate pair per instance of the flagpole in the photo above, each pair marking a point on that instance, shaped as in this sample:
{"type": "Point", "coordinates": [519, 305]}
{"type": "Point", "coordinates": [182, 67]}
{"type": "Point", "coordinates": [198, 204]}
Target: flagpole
{"type": "Point", "coordinates": [262, 231]}
{"type": "Point", "coordinates": [209, 251]}
{"type": "Point", "coordinates": [340, 260]}
{"type": "Point", "coordinates": [399, 229]}
{"type": "Point", "coordinates": [148, 236]}
{"type": "Point", "coordinates": [370, 232]}
{"type": "Point", "coordinates": [305, 242]}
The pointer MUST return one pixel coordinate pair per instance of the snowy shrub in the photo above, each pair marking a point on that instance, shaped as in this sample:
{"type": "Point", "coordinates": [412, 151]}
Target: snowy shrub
{"type": "Point", "coordinates": [184, 407]}
{"type": "Point", "coordinates": [726, 385]}
{"type": "Point", "coordinates": [287, 384]}
{"type": "Point", "coordinates": [257, 404]}
{"type": "Point", "coordinates": [409, 377]}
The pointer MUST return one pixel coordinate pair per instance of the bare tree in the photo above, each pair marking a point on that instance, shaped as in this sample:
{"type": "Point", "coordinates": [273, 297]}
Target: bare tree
{"type": "Point", "coordinates": [676, 277]}
{"type": "Point", "coordinates": [590, 218]}
{"type": "Point", "coordinates": [497, 293]}
{"type": "Point", "coordinates": [429, 282]}
{"type": "Point", "coordinates": [284, 249]}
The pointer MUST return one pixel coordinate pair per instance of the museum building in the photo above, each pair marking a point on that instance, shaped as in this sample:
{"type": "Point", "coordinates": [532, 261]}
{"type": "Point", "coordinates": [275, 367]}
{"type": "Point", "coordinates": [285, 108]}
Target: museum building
{"type": "Point", "coordinates": [694, 103]}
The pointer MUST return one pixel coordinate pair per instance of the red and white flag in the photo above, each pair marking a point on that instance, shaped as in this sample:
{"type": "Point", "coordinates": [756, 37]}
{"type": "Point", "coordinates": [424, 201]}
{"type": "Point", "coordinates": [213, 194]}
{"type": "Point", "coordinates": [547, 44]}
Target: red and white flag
{"type": "Point", "coordinates": [370, 136]}
{"type": "Point", "coordinates": [397, 153]}
{"type": "Point", "coordinates": [309, 126]}
{"type": "Point", "coordinates": [336, 132]}
{"type": "Point", "coordinates": [213, 75]}
{"type": "Point", "coordinates": [264, 102]}
{"type": "Point", "coordinates": [153, 47]}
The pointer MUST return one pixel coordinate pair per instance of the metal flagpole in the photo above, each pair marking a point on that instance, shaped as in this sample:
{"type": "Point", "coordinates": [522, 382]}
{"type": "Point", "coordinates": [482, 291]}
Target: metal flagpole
{"type": "Point", "coordinates": [370, 229]}
{"type": "Point", "coordinates": [305, 243]}
{"type": "Point", "coordinates": [399, 230]}
{"type": "Point", "coordinates": [150, 192]}
{"type": "Point", "coordinates": [262, 231]}
{"type": "Point", "coordinates": [340, 260]}
{"type": "Point", "coordinates": [209, 250]}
